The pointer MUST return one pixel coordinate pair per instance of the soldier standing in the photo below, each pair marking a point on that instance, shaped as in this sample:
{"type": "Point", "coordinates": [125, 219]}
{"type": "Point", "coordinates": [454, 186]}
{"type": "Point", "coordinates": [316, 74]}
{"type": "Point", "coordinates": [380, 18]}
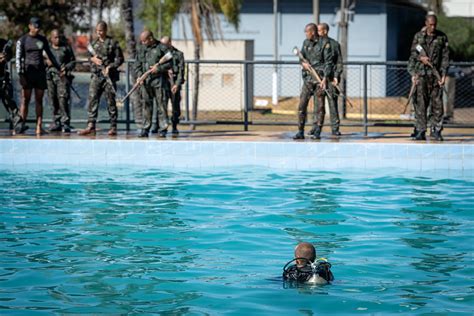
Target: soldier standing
{"type": "Point", "coordinates": [153, 84]}
{"type": "Point", "coordinates": [6, 88]}
{"type": "Point", "coordinates": [428, 65]}
{"type": "Point", "coordinates": [323, 30]}
{"type": "Point", "coordinates": [317, 51]}
{"type": "Point", "coordinates": [32, 71]}
{"type": "Point", "coordinates": [106, 57]}
{"type": "Point", "coordinates": [176, 80]}
{"type": "Point", "coordinates": [59, 88]}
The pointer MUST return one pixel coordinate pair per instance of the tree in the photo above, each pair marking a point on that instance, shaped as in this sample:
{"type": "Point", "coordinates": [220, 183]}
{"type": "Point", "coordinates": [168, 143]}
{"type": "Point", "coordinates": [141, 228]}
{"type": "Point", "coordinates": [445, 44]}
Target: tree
{"type": "Point", "coordinates": [460, 34]}
{"type": "Point", "coordinates": [126, 7]}
{"type": "Point", "coordinates": [204, 21]}
{"type": "Point", "coordinates": [53, 14]}
{"type": "Point", "coordinates": [158, 15]}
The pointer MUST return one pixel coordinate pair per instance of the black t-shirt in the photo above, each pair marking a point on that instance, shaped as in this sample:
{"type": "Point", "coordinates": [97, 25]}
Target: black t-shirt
{"type": "Point", "coordinates": [30, 53]}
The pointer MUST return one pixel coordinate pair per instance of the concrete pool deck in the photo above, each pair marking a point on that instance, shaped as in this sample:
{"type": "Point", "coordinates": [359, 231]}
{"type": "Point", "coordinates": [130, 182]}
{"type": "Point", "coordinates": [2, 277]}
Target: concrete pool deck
{"type": "Point", "coordinates": [221, 148]}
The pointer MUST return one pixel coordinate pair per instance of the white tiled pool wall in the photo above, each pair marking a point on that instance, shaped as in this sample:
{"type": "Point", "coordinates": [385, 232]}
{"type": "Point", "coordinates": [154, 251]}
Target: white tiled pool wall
{"type": "Point", "coordinates": [205, 154]}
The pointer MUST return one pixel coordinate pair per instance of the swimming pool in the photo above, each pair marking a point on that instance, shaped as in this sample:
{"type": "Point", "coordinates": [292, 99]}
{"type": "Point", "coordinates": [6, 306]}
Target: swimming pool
{"type": "Point", "coordinates": [132, 240]}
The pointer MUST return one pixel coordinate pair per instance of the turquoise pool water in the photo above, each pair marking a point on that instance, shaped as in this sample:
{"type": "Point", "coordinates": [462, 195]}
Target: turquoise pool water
{"type": "Point", "coordinates": [130, 240]}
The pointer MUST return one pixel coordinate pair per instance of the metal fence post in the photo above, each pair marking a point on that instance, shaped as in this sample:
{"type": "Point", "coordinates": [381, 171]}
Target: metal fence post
{"type": "Point", "coordinates": [246, 96]}
{"type": "Point", "coordinates": [127, 102]}
{"type": "Point", "coordinates": [366, 121]}
{"type": "Point", "coordinates": [186, 102]}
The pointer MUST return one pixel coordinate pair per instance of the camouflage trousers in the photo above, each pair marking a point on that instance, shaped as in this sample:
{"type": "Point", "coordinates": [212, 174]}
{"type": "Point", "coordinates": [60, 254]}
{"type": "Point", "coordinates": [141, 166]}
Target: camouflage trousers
{"type": "Point", "coordinates": [149, 96]}
{"type": "Point", "coordinates": [175, 105]}
{"type": "Point", "coordinates": [59, 94]}
{"type": "Point", "coordinates": [98, 86]}
{"type": "Point", "coordinates": [429, 104]}
{"type": "Point", "coordinates": [137, 104]}
{"type": "Point", "coordinates": [320, 110]}
{"type": "Point", "coordinates": [6, 95]}
{"type": "Point", "coordinates": [312, 89]}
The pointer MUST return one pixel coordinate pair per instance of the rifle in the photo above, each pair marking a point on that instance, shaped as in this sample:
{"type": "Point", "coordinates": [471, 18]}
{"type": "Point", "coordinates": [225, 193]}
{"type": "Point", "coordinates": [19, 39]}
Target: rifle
{"type": "Point", "coordinates": [410, 96]}
{"type": "Point", "coordinates": [422, 52]}
{"type": "Point", "coordinates": [92, 51]}
{"type": "Point", "coordinates": [311, 70]}
{"type": "Point", "coordinates": [342, 94]}
{"type": "Point", "coordinates": [142, 78]}
{"type": "Point", "coordinates": [69, 80]}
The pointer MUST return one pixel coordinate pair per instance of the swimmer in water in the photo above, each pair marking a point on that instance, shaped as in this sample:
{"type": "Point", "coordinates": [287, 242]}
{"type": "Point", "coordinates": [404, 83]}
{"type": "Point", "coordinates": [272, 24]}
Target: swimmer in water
{"type": "Point", "coordinates": [306, 268]}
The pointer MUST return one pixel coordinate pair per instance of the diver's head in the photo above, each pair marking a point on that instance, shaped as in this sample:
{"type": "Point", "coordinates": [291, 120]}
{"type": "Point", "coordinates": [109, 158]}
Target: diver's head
{"type": "Point", "coordinates": [305, 250]}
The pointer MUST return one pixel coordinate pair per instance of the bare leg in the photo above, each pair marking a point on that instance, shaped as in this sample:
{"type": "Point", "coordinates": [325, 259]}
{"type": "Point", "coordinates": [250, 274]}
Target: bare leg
{"type": "Point", "coordinates": [39, 110]}
{"type": "Point", "coordinates": [25, 100]}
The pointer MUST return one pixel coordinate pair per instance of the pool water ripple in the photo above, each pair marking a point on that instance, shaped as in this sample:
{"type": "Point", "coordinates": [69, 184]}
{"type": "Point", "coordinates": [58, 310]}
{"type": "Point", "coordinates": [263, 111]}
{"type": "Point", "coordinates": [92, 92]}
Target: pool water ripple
{"type": "Point", "coordinates": [214, 241]}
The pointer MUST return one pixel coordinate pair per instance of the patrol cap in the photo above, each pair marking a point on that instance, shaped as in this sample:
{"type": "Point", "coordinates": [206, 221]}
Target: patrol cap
{"type": "Point", "coordinates": [36, 22]}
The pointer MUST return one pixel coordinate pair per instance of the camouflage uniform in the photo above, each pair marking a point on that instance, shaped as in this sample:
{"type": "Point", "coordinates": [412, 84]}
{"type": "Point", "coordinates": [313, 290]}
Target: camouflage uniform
{"type": "Point", "coordinates": [177, 79]}
{"type": "Point", "coordinates": [59, 89]}
{"type": "Point", "coordinates": [6, 89]}
{"type": "Point", "coordinates": [333, 110]}
{"type": "Point", "coordinates": [153, 86]}
{"type": "Point", "coordinates": [319, 54]}
{"type": "Point", "coordinates": [111, 54]}
{"type": "Point", "coordinates": [428, 91]}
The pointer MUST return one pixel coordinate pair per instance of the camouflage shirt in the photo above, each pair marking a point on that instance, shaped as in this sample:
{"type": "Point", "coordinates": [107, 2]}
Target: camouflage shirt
{"type": "Point", "coordinates": [319, 54]}
{"type": "Point", "coordinates": [178, 66]}
{"type": "Point", "coordinates": [111, 54]}
{"type": "Point", "coordinates": [435, 47]}
{"type": "Point", "coordinates": [65, 57]}
{"type": "Point", "coordinates": [336, 58]}
{"type": "Point", "coordinates": [148, 56]}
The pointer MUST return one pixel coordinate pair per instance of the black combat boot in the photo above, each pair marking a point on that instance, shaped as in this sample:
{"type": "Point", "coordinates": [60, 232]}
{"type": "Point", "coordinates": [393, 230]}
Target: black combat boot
{"type": "Point", "coordinates": [66, 129]}
{"type": "Point", "coordinates": [163, 133]}
{"type": "Point", "coordinates": [143, 133]}
{"type": "Point", "coordinates": [299, 135]}
{"type": "Point", "coordinates": [414, 133]}
{"type": "Point", "coordinates": [21, 128]}
{"type": "Point", "coordinates": [437, 135]}
{"type": "Point", "coordinates": [317, 133]}
{"type": "Point", "coordinates": [311, 132]}
{"type": "Point", "coordinates": [55, 127]}
{"type": "Point", "coordinates": [420, 136]}
{"type": "Point", "coordinates": [154, 130]}
{"type": "Point", "coordinates": [175, 131]}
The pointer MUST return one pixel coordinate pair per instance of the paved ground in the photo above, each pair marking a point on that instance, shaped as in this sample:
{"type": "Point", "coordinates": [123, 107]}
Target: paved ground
{"type": "Point", "coordinates": [267, 133]}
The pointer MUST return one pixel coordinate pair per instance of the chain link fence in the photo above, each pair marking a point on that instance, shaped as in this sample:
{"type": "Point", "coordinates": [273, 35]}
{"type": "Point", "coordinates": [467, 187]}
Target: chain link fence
{"type": "Point", "coordinates": [267, 93]}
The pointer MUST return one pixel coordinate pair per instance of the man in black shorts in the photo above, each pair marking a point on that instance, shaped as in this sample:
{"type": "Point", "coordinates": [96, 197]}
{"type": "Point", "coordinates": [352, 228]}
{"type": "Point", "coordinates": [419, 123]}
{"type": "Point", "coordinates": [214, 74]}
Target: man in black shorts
{"type": "Point", "coordinates": [32, 70]}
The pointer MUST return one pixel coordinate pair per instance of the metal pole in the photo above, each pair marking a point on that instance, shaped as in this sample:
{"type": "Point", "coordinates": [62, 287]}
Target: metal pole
{"type": "Point", "coordinates": [159, 19]}
{"type": "Point", "coordinates": [343, 29]}
{"type": "Point", "coordinates": [127, 102]}
{"type": "Point", "coordinates": [186, 113]}
{"type": "Point", "coordinates": [316, 11]}
{"type": "Point", "coordinates": [275, 53]}
{"type": "Point", "coordinates": [246, 97]}
{"type": "Point", "coordinates": [342, 34]}
{"type": "Point", "coordinates": [366, 107]}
